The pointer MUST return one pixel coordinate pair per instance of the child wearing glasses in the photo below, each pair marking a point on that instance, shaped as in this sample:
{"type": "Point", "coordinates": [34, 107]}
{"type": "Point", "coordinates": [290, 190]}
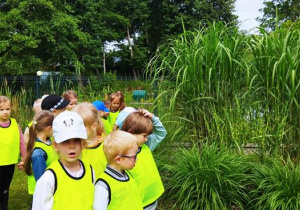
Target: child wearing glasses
{"type": "Point", "coordinates": [115, 188]}
{"type": "Point", "coordinates": [147, 129]}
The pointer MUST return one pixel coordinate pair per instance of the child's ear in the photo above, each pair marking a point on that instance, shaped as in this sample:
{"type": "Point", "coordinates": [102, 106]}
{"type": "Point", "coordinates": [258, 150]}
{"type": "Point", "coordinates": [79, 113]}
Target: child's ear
{"type": "Point", "coordinates": [55, 146]}
{"type": "Point", "coordinates": [118, 159]}
{"type": "Point", "coordinates": [95, 125]}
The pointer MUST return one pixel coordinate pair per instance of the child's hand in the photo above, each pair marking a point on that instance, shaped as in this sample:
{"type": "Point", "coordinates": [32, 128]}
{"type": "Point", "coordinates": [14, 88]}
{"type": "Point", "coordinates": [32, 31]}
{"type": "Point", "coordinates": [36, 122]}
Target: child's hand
{"type": "Point", "coordinates": [146, 113]}
{"type": "Point", "coordinates": [20, 165]}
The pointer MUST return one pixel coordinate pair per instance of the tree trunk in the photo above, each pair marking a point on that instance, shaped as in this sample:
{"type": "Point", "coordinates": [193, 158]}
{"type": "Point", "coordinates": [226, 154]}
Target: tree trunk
{"type": "Point", "coordinates": [104, 62]}
{"type": "Point", "coordinates": [131, 52]}
{"type": "Point", "coordinates": [97, 72]}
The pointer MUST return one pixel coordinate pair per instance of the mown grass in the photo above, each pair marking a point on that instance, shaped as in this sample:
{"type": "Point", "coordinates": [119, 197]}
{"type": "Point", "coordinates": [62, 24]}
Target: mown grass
{"type": "Point", "coordinates": [19, 198]}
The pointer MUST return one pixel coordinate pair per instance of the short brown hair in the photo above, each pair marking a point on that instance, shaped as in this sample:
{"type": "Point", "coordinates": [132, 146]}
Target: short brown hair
{"type": "Point", "coordinates": [137, 123]}
{"type": "Point", "coordinates": [118, 143]}
{"type": "Point", "coordinates": [68, 93]}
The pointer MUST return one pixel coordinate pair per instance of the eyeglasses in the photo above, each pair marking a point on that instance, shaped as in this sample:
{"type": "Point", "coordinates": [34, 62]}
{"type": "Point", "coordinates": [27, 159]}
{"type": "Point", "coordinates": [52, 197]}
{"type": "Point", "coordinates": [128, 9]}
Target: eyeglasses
{"type": "Point", "coordinates": [133, 157]}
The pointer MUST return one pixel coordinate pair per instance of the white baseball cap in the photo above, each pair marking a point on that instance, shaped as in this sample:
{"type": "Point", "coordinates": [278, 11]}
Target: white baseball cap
{"type": "Point", "coordinates": [68, 125]}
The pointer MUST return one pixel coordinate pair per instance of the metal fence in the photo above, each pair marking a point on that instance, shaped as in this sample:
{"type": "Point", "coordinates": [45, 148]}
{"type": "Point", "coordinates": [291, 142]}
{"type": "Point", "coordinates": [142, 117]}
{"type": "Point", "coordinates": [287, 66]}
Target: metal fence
{"type": "Point", "coordinates": [92, 88]}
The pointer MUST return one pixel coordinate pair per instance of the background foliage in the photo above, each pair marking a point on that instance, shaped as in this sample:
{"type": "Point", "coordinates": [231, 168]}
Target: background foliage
{"type": "Point", "coordinates": [53, 35]}
{"type": "Point", "coordinates": [276, 12]}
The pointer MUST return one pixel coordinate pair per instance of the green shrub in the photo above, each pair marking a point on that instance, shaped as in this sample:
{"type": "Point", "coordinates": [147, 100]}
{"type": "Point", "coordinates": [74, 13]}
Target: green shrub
{"type": "Point", "coordinates": [276, 185]}
{"type": "Point", "coordinates": [210, 178]}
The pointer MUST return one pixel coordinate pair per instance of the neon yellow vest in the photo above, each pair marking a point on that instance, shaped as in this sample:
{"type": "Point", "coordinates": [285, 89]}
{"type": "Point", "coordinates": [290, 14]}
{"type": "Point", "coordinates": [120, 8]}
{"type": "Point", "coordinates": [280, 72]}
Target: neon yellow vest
{"type": "Point", "coordinates": [51, 156]}
{"type": "Point", "coordinates": [72, 193]}
{"type": "Point", "coordinates": [112, 117]}
{"type": "Point", "coordinates": [146, 175]}
{"type": "Point", "coordinates": [107, 126]}
{"type": "Point", "coordinates": [9, 143]}
{"type": "Point", "coordinates": [96, 157]}
{"type": "Point", "coordinates": [30, 124]}
{"type": "Point", "coordinates": [123, 195]}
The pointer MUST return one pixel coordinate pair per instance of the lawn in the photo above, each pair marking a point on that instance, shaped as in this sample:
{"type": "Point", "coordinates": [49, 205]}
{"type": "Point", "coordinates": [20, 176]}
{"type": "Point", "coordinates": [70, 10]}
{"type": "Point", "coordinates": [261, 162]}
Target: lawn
{"type": "Point", "coordinates": [19, 197]}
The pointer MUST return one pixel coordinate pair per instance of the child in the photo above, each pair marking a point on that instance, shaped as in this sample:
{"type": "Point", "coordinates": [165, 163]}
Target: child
{"type": "Point", "coordinates": [37, 105]}
{"type": "Point", "coordinates": [93, 153]}
{"type": "Point", "coordinates": [72, 96]}
{"type": "Point", "coordinates": [141, 123]}
{"type": "Point", "coordinates": [122, 116]}
{"type": "Point", "coordinates": [68, 182]}
{"type": "Point", "coordinates": [11, 143]}
{"type": "Point", "coordinates": [107, 103]}
{"type": "Point", "coordinates": [55, 104]}
{"type": "Point", "coordinates": [115, 188]}
{"type": "Point", "coordinates": [103, 113]}
{"type": "Point", "coordinates": [40, 153]}
{"type": "Point", "coordinates": [36, 108]}
{"type": "Point", "coordinates": [117, 104]}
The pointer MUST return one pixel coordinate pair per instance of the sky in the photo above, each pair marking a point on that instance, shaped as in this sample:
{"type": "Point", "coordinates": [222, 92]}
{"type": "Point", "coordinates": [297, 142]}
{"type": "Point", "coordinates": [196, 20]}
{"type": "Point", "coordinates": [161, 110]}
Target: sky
{"type": "Point", "coordinates": [247, 11]}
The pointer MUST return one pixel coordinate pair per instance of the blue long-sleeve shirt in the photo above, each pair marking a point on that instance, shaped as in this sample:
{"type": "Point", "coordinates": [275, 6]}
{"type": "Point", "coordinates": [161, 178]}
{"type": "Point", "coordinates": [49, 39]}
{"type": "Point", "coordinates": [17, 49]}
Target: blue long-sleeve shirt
{"type": "Point", "coordinates": [38, 161]}
{"type": "Point", "coordinates": [159, 133]}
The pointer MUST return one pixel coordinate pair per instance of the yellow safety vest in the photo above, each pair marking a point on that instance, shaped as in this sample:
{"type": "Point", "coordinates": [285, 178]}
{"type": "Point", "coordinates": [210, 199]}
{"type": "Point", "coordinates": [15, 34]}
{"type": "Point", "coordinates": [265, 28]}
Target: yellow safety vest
{"type": "Point", "coordinates": [9, 143]}
{"type": "Point", "coordinates": [123, 195]}
{"type": "Point", "coordinates": [147, 177]}
{"type": "Point", "coordinates": [70, 192]}
{"type": "Point", "coordinates": [96, 157]}
{"type": "Point", "coordinates": [112, 117]}
{"type": "Point", "coordinates": [51, 156]}
{"type": "Point", "coordinates": [30, 124]}
{"type": "Point", "coordinates": [107, 126]}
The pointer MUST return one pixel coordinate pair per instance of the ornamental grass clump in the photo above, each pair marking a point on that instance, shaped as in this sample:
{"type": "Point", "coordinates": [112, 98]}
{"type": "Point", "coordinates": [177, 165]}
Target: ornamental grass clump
{"type": "Point", "coordinates": [207, 178]}
{"type": "Point", "coordinates": [276, 185]}
{"type": "Point", "coordinates": [205, 70]}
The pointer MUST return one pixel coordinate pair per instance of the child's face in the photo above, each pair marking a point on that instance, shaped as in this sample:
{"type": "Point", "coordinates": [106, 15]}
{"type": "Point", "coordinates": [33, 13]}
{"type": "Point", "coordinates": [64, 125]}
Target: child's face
{"type": "Point", "coordinates": [73, 103]}
{"type": "Point", "coordinates": [141, 138]}
{"type": "Point", "coordinates": [5, 111]}
{"type": "Point", "coordinates": [127, 161]}
{"type": "Point", "coordinates": [115, 104]}
{"type": "Point", "coordinates": [103, 113]}
{"type": "Point", "coordinates": [69, 151]}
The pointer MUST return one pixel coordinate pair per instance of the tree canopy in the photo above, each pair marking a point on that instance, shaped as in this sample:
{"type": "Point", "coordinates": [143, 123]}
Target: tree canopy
{"type": "Point", "coordinates": [283, 10]}
{"type": "Point", "coordinates": [44, 34]}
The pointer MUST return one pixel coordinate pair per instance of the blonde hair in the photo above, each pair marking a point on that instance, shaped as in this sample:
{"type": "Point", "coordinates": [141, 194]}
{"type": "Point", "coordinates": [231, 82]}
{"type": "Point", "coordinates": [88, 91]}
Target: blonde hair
{"type": "Point", "coordinates": [3, 99]}
{"type": "Point", "coordinates": [41, 120]}
{"type": "Point", "coordinates": [118, 143]}
{"type": "Point", "coordinates": [137, 123]}
{"type": "Point", "coordinates": [120, 96]}
{"type": "Point", "coordinates": [89, 115]}
{"type": "Point", "coordinates": [37, 105]}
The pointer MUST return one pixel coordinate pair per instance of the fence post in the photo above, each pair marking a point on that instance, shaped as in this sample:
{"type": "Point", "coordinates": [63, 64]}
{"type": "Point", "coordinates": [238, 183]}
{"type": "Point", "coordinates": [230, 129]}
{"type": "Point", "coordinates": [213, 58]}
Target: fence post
{"type": "Point", "coordinates": [37, 83]}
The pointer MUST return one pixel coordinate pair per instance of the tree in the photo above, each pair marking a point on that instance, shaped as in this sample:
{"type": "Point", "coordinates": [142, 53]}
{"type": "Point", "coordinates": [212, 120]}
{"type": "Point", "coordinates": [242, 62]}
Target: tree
{"type": "Point", "coordinates": [136, 13]}
{"type": "Point", "coordinates": [36, 34]}
{"type": "Point", "coordinates": [98, 20]}
{"type": "Point", "coordinates": [167, 16]}
{"type": "Point", "coordinates": [286, 10]}
{"type": "Point", "coordinates": [153, 22]}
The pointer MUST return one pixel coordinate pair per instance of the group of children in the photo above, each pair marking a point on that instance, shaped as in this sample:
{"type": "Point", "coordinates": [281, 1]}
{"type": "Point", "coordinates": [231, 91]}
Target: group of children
{"type": "Point", "coordinates": [83, 156]}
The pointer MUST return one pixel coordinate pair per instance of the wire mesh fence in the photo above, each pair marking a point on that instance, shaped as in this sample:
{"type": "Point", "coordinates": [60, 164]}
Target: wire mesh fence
{"type": "Point", "coordinates": [139, 93]}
